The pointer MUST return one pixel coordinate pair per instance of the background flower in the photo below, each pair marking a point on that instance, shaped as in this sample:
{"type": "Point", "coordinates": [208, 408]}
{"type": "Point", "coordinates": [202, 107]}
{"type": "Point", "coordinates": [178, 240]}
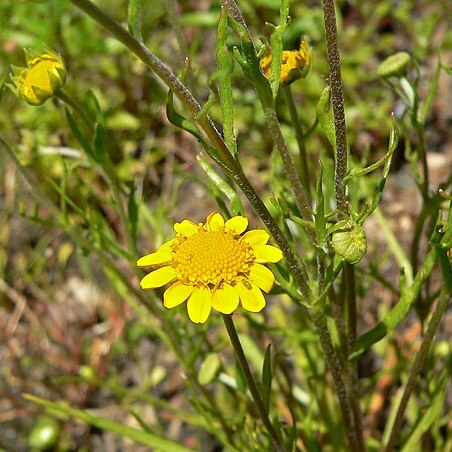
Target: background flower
{"type": "Point", "coordinates": [45, 73]}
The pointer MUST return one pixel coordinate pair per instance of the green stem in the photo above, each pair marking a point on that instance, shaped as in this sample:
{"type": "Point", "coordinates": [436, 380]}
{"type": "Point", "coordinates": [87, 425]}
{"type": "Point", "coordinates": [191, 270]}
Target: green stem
{"type": "Point", "coordinates": [334, 364]}
{"type": "Point", "coordinates": [74, 105]}
{"type": "Point", "coordinates": [241, 358]}
{"type": "Point", "coordinates": [304, 169]}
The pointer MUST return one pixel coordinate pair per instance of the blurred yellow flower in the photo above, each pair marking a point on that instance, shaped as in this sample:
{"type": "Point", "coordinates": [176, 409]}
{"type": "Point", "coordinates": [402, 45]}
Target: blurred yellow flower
{"type": "Point", "coordinates": [45, 73]}
{"type": "Point", "coordinates": [213, 266]}
{"type": "Point", "coordinates": [295, 64]}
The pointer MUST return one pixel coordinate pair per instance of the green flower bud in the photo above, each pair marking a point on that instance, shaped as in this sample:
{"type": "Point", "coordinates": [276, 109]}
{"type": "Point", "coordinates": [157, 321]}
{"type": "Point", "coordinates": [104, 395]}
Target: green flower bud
{"type": "Point", "coordinates": [350, 242]}
{"type": "Point", "coordinates": [45, 73]}
{"type": "Point", "coordinates": [394, 66]}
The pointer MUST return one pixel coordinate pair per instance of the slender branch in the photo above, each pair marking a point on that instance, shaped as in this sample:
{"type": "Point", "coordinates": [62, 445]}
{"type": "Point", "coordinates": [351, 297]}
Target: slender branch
{"type": "Point", "coordinates": [241, 358]}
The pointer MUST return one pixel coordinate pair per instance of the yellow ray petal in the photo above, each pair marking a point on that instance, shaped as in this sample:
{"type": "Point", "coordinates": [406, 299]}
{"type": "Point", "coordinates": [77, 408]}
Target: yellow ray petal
{"type": "Point", "coordinates": [256, 237]}
{"type": "Point", "coordinates": [186, 228]}
{"type": "Point", "coordinates": [214, 222]}
{"type": "Point", "coordinates": [267, 253]}
{"type": "Point", "coordinates": [176, 294]}
{"type": "Point", "coordinates": [158, 278]}
{"type": "Point", "coordinates": [251, 297]}
{"type": "Point", "coordinates": [167, 245]}
{"type": "Point", "coordinates": [159, 257]}
{"type": "Point", "coordinates": [199, 304]}
{"type": "Point", "coordinates": [225, 299]}
{"type": "Point", "coordinates": [237, 224]}
{"type": "Point", "coordinates": [262, 277]}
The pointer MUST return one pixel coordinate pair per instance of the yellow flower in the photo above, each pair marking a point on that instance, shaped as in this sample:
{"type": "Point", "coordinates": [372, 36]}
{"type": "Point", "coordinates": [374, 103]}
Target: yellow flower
{"type": "Point", "coordinates": [213, 266]}
{"type": "Point", "coordinates": [295, 64]}
{"type": "Point", "coordinates": [43, 75]}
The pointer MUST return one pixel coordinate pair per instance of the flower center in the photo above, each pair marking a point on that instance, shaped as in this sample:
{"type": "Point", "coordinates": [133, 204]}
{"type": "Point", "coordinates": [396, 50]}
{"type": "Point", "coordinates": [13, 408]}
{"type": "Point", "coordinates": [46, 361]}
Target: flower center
{"type": "Point", "coordinates": [211, 258]}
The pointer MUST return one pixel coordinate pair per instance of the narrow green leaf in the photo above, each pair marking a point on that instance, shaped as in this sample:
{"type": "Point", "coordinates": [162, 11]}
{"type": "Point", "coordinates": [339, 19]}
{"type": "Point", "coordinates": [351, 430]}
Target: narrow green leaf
{"type": "Point", "coordinates": [267, 377]}
{"type": "Point", "coordinates": [277, 46]}
{"type": "Point", "coordinates": [134, 19]}
{"type": "Point", "coordinates": [398, 312]}
{"type": "Point", "coordinates": [225, 65]}
{"type": "Point", "coordinates": [325, 116]}
{"type": "Point", "coordinates": [426, 419]}
{"type": "Point", "coordinates": [393, 142]}
{"type": "Point", "coordinates": [179, 121]}
{"type": "Point", "coordinates": [221, 187]}
{"type": "Point", "coordinates": [132, 208]}
{"type": "Point", "coordinates": [84, 141]}
{"type": "Point", "coordinates": [139, 436]}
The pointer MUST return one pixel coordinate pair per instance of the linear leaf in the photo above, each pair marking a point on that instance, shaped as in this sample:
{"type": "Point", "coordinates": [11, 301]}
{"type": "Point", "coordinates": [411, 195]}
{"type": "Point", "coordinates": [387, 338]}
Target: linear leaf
{"type": "Point", "coordinates": [139, 436]}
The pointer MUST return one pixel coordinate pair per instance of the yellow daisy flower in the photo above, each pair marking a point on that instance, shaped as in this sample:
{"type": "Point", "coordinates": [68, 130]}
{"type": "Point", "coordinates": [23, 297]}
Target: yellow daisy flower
{"type": "Point", "coordinates": [295, 64]}
{"type": "Point", "coordinates": [45, 73]}
{"type": "Point", "coordinates": [212, 265]}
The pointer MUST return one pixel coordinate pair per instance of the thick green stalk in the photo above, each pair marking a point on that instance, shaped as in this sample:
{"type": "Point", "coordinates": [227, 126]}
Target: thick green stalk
{"type": "Point", "coordinates": [241, 358]}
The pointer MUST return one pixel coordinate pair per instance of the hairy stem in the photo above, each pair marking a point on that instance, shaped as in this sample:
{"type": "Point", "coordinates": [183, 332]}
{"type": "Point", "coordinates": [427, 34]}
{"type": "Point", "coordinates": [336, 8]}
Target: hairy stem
{"type": "Point", "coordinates": [334, 364]}
{"type": "Point", "coordinates": [340, 172]}
{"type": "Point", "coordinates": [337, 100]}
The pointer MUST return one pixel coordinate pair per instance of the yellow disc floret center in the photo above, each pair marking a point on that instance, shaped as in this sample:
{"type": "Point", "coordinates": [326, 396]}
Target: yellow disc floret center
{"type": "Point", "coordinates": [211, 258]}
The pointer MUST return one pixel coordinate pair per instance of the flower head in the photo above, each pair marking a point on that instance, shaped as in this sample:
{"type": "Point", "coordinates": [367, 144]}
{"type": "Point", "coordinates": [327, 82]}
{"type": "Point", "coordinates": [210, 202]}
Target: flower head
{"type": "Point", "coordinates": [45, 73]}
{"type": "Point", "coordinates": [295, 64]}
{"type": "Point", "coordinates": [212, 265]}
